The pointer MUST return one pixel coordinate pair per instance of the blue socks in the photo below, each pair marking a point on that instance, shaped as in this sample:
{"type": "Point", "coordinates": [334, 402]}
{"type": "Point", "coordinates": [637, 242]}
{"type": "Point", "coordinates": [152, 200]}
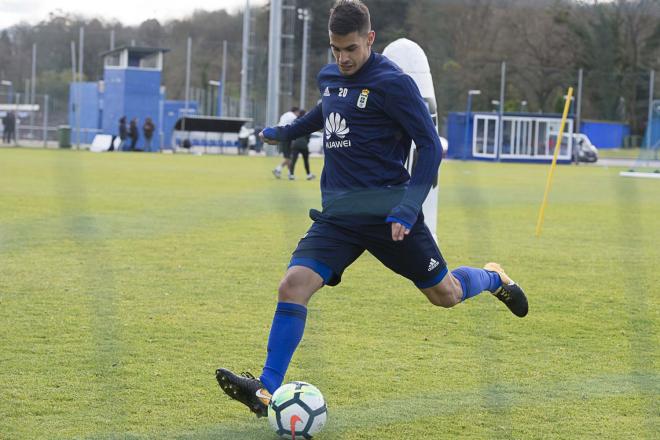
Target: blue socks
{"type": "Point", "coordinates": [285, 335]}
{"type": "Point", "coordinates": [474, 281]}
{"type": "Point", "coordinates": [289, 324]}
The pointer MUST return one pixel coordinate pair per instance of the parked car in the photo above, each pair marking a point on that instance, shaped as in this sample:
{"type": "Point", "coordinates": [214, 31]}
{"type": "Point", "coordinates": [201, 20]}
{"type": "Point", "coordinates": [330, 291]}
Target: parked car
{"type": "Point", "coordinates": [583, 148]}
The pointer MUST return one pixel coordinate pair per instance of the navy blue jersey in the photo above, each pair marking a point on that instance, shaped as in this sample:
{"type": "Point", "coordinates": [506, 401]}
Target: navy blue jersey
{"type": "Point", "coordinates": [369, 120]}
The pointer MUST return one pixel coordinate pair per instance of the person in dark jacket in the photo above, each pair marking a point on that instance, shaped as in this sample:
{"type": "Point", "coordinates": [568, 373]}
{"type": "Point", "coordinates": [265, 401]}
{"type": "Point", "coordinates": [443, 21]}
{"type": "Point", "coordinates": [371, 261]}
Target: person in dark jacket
{"type": "Point", "coordinates": [9, 124]}
{"type": "Point", "coordinates": [123, 131]}
{"type": "Point", "coordinates": [133, 133]}
{"type": "Point", "coordinates": [300, 146]}
{"type": "Point", "coordinates": [148, 129]}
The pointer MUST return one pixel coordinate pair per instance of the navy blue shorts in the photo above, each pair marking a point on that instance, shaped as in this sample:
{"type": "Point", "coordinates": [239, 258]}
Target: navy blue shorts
{"type": "Point", "coordinates": [328, 249]}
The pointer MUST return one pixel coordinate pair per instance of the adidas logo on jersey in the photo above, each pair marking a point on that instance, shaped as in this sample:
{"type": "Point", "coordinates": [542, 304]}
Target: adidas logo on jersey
{"type": "Point", "coordinates": [336, 125]}
{"type": "Point", "coordinates": [433, 264]}
{"type": "Point", "coordinates": [326, 92]}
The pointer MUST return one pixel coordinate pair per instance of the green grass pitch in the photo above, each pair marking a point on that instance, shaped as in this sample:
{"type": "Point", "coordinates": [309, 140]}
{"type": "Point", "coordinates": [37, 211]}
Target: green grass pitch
{"type": "Point", "coordinates": [127, 279]}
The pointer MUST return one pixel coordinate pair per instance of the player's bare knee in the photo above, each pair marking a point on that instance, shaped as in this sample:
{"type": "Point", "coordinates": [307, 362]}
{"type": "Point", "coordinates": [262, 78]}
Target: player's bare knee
{"type": "Point", "coordinates": [443, 297]}
{"type": "Point", "coordinates": [298, 285]}
{"type": "Point", "coordinates": [289, 291]}
{"type": "Point", "coordinates": [442, 300]}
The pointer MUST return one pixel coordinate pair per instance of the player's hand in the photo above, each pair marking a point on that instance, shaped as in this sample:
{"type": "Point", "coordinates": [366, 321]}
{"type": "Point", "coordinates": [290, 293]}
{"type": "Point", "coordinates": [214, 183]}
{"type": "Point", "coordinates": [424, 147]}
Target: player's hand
{"type": "Point", "coordinates": [267, 135]}
{"type": "Point", "coordinates": [399, 231]}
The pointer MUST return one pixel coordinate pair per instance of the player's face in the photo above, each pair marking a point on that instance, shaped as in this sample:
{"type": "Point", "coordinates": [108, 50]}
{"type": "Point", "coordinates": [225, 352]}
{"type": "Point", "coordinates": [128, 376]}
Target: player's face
{"type": "Point", "coordinates": [351, 50]}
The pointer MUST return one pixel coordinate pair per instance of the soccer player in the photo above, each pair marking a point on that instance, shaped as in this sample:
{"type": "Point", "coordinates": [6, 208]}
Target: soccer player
{"type": "Point", "coordinates": [370, 111]}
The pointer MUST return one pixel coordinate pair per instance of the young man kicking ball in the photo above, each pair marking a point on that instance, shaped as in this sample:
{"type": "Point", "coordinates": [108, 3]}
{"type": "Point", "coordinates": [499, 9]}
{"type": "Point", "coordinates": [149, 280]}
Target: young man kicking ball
{"type": "Point", "coordinates": [371, 111]}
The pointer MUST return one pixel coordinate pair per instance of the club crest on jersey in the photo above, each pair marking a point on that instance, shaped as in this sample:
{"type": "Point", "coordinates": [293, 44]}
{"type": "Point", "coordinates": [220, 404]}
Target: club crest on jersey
{"type": "Point", "coordinates": [362, 99]}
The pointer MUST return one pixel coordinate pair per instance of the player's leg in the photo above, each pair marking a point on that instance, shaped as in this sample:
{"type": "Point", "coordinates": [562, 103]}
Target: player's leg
{"type": "Point", "coordinates": [472, 281]}
{"type": "Point", "coordinates": [294, 159]}
{"type": "Point", "coordinates": [305, 155]}
{"type": "Point", "coordinates": [277, 172]}
{"type": "Point", "coordinates": [461, 284]}
{"type": "Point", "coordinates": [296, 288]}
{"type": "Point", "coordinates": [418, 258]}
{"type": "Point", "coordinates": [320, 258]}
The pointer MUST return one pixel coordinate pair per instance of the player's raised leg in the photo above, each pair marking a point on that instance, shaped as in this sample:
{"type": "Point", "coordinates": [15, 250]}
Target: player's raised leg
{"type": "Point", "coordinates": [465, 282]}
{"type": "Point", "coordinates": [296, 288]}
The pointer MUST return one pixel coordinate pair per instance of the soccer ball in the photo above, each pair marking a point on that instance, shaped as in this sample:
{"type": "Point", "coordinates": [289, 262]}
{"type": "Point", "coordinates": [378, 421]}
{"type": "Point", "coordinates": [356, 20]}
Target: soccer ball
{"type": "Point", "coordinates": [297, 410]}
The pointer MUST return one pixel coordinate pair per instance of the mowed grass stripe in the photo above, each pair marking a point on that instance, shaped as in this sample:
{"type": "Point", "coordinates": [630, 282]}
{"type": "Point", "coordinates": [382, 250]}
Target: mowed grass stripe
{"type": "Point", "coordinates": [190, 251]}
{"type": "Point", "coordinates": [469, 415]}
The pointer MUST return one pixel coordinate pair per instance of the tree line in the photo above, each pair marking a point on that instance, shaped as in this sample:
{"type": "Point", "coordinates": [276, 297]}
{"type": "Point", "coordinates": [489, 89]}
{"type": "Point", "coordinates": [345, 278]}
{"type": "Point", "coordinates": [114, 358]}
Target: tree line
{"type": "Point", "coordinates": [545, 43]}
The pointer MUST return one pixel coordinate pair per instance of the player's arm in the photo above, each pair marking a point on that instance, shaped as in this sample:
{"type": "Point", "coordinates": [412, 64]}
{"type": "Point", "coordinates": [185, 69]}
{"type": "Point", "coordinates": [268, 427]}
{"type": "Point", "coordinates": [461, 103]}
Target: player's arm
{"type": "Point", "coordinates": [405, 105]}
{"type": "Point", "coordinates": [312, 121]}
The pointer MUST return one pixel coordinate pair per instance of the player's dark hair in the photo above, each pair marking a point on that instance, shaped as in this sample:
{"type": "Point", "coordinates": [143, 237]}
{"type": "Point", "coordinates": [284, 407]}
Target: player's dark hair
{"type": "Point", "coordinates": [294, 109]}
{"type": "Point", "coordinates": [348, 16]}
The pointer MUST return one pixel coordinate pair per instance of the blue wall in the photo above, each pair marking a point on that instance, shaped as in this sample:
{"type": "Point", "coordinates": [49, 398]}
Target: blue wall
{"type": "Point", "coordinates": [606, 134]}
{"type": "Point", "coordinates": [134, 93]}
{"type": "Point", "coordinates": [90, 114]}
{"type": "Point", "coordinates": [456, 136]}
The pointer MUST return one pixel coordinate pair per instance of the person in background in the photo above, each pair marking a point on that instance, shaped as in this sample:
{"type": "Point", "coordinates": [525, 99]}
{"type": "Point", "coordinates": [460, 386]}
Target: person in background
{"type": "Point", "coordinates": [123, 132]}
{"type": "Point", "coordinates": [300, 146]}
{"type": "Point", "coordinates": [133, 133]}
{"type": "Point", "coordinates": [4, 129]}
{"type": "Point", "coordinates": [148, 129]}
{"type": "Point", "coordinates": [9, 123]}
{"type": "Point", "coordinates": [285, 146]}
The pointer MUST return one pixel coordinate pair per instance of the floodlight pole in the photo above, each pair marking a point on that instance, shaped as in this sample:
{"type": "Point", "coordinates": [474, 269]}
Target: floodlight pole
{"type": "Point", "coordinates": [500, 113]}
{"type": "Point", "coordinates": [81, 44]}
{"type": "Point", "coordinates": [467, 120]}
{"type": "Point", "coordinates": [304, 15]}
{"type": "Point", "coordinates": [578, 108]}
{"type": "Point", "coordinates": [223, 79]}
{"type": "Point", "coordinates": [112, 39]}
{"type": "Point", "coordinates": [578, 113]}
{"type": "Point", "coordinates": [274, 46]}
{"type": "Point", "coordinates": [187, 91]}
{"type": "Point", "coordinates": [242, 111]}
{"type": "Point", "coordinates": [45, 121]}
{"type": "Point", "coordinates": [649, 122]}
{"type": "Point", "coordinates": [33, 84]}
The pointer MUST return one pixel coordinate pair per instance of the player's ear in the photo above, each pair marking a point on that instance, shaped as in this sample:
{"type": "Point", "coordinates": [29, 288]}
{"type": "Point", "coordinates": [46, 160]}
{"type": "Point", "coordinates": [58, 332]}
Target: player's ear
{"type": "Point", "coordinates": [371, 37]}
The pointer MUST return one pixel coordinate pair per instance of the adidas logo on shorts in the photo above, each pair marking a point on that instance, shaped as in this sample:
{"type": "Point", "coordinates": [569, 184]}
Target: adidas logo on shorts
{"type": "Point", "coordinates": [433, 264]}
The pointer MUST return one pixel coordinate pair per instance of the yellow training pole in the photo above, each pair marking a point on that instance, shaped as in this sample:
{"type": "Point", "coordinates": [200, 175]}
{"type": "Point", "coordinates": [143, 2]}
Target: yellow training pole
{"type": "Point", "coordinates": [548, 184]}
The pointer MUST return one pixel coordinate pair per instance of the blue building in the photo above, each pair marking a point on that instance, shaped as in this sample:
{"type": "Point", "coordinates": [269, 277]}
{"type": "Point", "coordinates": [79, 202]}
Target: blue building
{"type": "Point", "coordinates": [524, 137]}
{"type": "Point", "coordinates": [131, 87]}
{"type": "Point", "coordinates": [89, 95]}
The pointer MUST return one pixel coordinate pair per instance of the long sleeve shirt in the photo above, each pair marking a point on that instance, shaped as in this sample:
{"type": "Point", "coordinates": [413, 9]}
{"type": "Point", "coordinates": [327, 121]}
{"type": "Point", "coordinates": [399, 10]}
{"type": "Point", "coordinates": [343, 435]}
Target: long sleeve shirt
{"type": "Point", "coordinates": [369, 120]}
